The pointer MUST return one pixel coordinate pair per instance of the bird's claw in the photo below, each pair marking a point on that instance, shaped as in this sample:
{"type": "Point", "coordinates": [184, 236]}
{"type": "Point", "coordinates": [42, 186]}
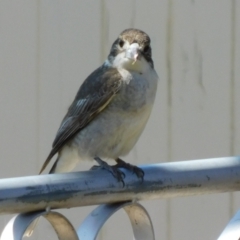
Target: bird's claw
{"type": "Point", "coordinates": [134, 169]}
{"type": "Point", "coordinates": [114, 170]}
{"type": "Point", "coordinates": [95, 167]}
{"type": "Point", "coordinates": [117, 173]}
{"type": "Point", "coordinates": [138, 171]}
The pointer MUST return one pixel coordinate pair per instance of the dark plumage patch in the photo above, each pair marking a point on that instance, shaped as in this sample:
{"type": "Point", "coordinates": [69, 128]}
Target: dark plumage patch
{"type": "Point", "coordinates": [135, 36]}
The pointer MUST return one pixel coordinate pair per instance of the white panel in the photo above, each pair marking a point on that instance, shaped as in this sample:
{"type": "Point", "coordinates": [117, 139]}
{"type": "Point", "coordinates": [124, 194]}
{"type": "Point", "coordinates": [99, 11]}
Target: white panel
{"type": "Point", "coordinates": [18, 90]}
{"type": "Point", "coordinates": [201, 79]}
{"type": "Point", "coordinates": [200, 93]}
{"type": "Point", "coordinates": [18, 87]}
{"type": "Point", "coordinates": [236, 78]}
{"type": "Point", "coordinates": [236, 95]}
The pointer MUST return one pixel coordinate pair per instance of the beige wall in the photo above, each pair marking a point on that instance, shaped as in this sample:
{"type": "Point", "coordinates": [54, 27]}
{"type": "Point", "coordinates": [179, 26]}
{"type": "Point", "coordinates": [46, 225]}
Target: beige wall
{"type": "Point", "coordinates": [47, 48]}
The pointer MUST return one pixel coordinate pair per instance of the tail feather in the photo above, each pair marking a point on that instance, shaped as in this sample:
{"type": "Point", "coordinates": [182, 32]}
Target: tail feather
{"type": "Point", "coordinates": [53, 169]}
{"type": "Point", "coordinates": [51, 154]}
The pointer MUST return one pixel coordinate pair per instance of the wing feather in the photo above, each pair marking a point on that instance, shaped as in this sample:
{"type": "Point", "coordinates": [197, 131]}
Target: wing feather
{"type": "Point", "coordinates": [93, 96]}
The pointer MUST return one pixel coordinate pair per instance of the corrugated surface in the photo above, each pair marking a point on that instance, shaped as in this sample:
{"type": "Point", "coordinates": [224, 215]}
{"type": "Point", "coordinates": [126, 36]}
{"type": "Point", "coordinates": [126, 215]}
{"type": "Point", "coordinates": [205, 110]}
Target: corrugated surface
{"type": "Point", "coordinates": [47, 48]}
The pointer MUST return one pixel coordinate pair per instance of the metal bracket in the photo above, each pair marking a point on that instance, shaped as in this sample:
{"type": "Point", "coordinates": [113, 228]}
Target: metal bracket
{"type": "Point", "coordinates": [140, 220]}
{"type": "Point", "coordinates": [17, 226]}
{"type": "Point", "coordinates": [232, 230]}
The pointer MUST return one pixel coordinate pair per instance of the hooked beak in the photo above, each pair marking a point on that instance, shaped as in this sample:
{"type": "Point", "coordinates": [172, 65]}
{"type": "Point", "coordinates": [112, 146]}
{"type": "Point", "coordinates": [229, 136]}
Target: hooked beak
{"type": "Point", "coordinates": [133, 52]}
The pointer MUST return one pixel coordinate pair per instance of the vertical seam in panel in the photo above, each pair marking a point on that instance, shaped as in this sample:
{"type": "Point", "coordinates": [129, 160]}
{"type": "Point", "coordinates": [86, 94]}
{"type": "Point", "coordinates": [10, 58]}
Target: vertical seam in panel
{"type": "Point", "coordinates": [133, 16]}
{"type": "Point", "coordinates": [103, 43]}
{"type": "Point", "coordinates": [232, 96]}
{"type": "Point", "coordinates": [38, 88]}
{"type": "Point", "coordinates": [104, 28]}
{"type": "Point", "coordinates": [132, 25]}
{"type": "Point", "coordinates": [169, 102]}
{"type": "Point", "coordinates": [169, 78]}
{"type": "Point", "coordinates": [232, 78]}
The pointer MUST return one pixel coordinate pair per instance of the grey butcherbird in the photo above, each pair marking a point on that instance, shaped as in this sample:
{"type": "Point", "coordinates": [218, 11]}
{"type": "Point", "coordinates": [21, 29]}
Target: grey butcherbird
{"type": "Point", "coordinates": [110, 109]}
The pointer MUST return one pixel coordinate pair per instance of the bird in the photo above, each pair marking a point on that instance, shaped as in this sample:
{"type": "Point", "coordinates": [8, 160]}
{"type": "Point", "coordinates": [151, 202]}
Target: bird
{"type": "Point", "coordinates": [110, 110]}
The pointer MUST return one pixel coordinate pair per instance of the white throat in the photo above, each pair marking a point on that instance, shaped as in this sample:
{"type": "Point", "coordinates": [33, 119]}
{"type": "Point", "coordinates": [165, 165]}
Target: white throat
{"type": "Point", "coordinates": [139, 66]}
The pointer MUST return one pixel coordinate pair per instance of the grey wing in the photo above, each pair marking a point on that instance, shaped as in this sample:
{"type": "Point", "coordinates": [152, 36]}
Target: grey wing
{"type": "Point", "coordinates": [86, 106]}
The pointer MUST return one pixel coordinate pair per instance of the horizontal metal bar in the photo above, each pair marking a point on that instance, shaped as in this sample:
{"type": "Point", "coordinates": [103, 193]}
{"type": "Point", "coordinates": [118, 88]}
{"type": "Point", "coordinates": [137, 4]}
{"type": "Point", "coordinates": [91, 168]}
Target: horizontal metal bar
{"type": "Point", "coordinates": [165, 180]}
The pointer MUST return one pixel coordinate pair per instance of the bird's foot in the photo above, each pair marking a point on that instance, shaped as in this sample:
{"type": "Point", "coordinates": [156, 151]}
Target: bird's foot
{"type": "Point", "coordinates": [134, 169]}
{"type": "Point", "coordinates": [117, 173]}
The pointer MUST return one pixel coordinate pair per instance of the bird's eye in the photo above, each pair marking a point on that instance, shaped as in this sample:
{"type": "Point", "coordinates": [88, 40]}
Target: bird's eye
{"type": "Point", "coordinates": [121, 43]}
{"type": "Point", "coordinates": [146, 49]}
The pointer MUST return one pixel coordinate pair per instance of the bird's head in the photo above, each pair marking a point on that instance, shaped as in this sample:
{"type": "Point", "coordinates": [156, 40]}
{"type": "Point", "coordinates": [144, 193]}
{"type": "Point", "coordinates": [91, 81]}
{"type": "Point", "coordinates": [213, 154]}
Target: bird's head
{"type": "Point", "coordinates": [131, 51]}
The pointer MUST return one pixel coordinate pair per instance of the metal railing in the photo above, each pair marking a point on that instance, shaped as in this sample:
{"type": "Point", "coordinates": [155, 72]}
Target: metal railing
{"type": "Point", "coordinates": [36, 196]}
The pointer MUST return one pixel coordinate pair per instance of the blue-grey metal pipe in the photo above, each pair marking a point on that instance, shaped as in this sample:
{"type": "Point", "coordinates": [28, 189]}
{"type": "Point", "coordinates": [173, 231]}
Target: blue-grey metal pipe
{"type": "Point", "coordinates": [232, 230]}
{"type": "Point", "coordinates": [163, 180]}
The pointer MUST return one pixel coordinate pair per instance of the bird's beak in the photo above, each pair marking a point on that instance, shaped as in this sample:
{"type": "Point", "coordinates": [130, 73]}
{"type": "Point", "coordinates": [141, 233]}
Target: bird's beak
{"type": "Point", "coordinates": [133, 52]}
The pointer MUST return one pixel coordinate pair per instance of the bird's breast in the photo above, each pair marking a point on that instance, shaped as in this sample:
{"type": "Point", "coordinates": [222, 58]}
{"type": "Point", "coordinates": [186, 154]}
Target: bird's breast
{"type": "Point", "coordinates": [116, 129]}
{"type": "Point", "coordinates": [138, 91]}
